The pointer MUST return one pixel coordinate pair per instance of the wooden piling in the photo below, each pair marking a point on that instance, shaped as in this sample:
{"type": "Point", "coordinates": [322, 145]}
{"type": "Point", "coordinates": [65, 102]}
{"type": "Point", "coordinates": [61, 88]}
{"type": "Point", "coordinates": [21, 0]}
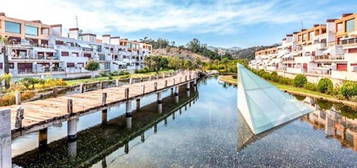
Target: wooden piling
{"type": "Point", "coordinates": [104, 99]}
{"type": "Point", "coordinates": [18, 97]}
{"type": "Point", "coordinates": [19, 117]}
{"type": "Point", "coordinates": [69, 106]}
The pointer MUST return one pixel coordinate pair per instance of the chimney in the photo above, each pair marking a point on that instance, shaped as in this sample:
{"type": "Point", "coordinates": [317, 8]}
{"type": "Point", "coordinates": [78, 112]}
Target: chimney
{"type": "Point", "coordinates": [73, 33]}
{"type": "Point", "coordinates": [106, 38]}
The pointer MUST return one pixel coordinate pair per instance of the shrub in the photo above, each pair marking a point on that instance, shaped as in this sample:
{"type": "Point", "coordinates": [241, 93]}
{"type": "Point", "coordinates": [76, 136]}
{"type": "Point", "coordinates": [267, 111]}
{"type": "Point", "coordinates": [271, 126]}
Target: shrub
{"type": "Point", "coordinates": [27, 82]}
{"type": "Point", "coordinates": [310, 86]}
{"type": "Point", "coordinates": [92, 66]}
{"type": "Point", "coordinates": [300, 80]}
{"type": "Point", "coordinates": [348, 89]}
{"type": "Point", "coordinates": [274, 77]}
{"type": "Point", "coordinates": [325, 85]}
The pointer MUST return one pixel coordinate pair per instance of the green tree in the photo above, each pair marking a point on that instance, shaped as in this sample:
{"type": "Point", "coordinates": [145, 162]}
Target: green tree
{"type": "Point", "coordinates": [300, 80]}
{"type": "Point", "coordinates": [92, 66]}
{"type": "Point", "coordinates": [156, 63]}
{"type": "Point", "coordinates": [325, 85]}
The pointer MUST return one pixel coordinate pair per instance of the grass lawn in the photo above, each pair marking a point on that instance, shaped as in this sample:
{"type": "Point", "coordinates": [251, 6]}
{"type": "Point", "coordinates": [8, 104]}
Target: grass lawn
{"type": "Point", "coordinates": [138, 75]}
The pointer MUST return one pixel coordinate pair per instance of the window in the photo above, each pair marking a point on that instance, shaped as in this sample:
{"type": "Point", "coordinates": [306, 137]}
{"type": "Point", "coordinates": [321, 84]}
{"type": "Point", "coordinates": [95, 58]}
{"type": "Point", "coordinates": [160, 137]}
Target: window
{"type": "Point", "coordinates": [339, 27]}
{"type": "Point", "coordinates": [12, 27]}
{"type": "Point", "coordinates": [31, 30]}
{"type": "Point", "coordinates": [311, 36]}
{"type": "Point", "coordinates": [70, 65]}
{"type": "Point", "coordinates": [350, 25]}
{"type": "Point", "coordinates": [63, 53]}
{"type": "Point", "coordinates": [45, 31]}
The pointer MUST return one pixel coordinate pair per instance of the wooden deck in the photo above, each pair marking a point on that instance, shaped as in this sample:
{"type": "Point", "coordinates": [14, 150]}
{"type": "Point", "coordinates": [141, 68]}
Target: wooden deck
{"type": "Point", "coordinates": [52, 109]}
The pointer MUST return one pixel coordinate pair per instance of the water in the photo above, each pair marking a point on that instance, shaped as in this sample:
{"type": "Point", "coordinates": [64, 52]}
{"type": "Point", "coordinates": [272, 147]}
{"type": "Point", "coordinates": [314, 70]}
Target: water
{"type": "Point", "coordinates": [209, 133]}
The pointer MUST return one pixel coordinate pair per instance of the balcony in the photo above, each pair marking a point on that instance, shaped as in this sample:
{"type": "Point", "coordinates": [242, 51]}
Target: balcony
{"type": "Point", "coordinates": [329, 58]}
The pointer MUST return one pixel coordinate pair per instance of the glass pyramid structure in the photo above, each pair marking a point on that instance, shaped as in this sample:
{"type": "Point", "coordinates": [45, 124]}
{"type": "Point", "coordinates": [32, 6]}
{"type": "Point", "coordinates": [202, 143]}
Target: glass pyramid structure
{"type": "Point", "coordinates": [262, 105]}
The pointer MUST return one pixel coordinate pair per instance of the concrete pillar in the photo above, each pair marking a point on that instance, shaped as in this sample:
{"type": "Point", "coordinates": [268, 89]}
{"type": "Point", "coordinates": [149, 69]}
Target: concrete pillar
{"type": "Point", "coordinates": [104, 163]}
{"type": "Point", "coordinates": [18, 97]}
{"type": "Point", "coordinates": [177, 94]}
{"type": "Point", "coordinates": [104, 99]}
{"type": "Point", "coordinates": [72, 128]}
{"type": "Point", "coordinates": [159, 102]}
{"type": "Point", "coordinates": [126, 147]}
{"type": "Point", "coordinates": [165, 83]}
{"type": "Point", "coordinates": [143, 137]}
{"type": "Point", "coordinates": [329, 127]}
{"type": "Point", "coordinates": [5, 138]}
{"type": "Point", "coordinates": [19, 117]}
{"type": "Point", "coordinates": [72, 149]}
{"type": "Point", "coordinates": [42, 138]}
{"type": "Point", "coordinates": [104, 116]}
{"type": "Point", "coordinates": [128, 115]}
{"type": "Point", "coordinates": [138, 104]}
{"type": "Point", "coordinates": [155, 128]}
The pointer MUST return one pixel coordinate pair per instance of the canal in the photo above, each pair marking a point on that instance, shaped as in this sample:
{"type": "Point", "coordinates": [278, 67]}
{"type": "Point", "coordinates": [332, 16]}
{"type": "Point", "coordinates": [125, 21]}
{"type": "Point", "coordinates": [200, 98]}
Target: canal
{"type": "Point", "coordinates": [203, 129]}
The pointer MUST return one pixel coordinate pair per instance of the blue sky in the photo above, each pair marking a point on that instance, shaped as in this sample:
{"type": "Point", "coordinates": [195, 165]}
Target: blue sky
{"type": "Point", "coordinates": [224, 23]}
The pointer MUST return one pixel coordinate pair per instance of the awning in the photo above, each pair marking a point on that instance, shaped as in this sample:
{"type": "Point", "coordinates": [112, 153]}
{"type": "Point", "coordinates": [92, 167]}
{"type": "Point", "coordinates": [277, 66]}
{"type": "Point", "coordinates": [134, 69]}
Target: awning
{"type": "Point", "coordinates": [83, 45]}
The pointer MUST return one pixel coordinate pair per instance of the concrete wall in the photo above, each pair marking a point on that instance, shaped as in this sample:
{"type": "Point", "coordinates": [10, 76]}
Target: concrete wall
{"type": "Point", "coordinates": [5, 139]}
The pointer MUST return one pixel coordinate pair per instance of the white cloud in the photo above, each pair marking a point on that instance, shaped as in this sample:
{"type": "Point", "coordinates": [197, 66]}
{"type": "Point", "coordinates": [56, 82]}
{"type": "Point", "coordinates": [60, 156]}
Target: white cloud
{"type": "Point", "coordinates": [130, 16]}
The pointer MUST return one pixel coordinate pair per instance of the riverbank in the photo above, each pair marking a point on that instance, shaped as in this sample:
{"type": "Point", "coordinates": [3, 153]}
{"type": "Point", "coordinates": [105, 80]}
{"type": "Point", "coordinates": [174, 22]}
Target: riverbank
{"type": "Point", "coordinates": [296, 91]}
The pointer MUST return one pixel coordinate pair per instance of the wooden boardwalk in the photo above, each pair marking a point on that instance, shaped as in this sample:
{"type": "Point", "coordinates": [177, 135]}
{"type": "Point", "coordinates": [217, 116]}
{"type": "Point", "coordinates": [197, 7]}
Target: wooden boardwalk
{"type": "Point", "coordinates": [40, 112]}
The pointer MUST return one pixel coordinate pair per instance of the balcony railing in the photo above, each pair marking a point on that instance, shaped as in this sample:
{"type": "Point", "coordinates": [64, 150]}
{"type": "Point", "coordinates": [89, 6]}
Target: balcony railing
{"type": "Point", "coordinates": [349, 41]}
{"type": "Point", "coordinates": [329, 57]}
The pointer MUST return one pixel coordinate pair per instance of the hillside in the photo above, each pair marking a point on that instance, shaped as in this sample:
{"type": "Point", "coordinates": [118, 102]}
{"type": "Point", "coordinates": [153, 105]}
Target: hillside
{"type": "Point", "coordinates": [249, 53]}
{"type": "Point", "coordinates": [180, 52]}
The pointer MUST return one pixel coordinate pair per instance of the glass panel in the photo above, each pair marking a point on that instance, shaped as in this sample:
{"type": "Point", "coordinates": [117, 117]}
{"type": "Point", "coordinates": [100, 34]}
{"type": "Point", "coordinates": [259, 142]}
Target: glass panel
{"type": "Point", "coordinates": [350, 25]}
{"type": "Point", "coordinates": [265, 106]}
{"type": "Point", "coordinates": [12, 27]}
{"type": "Point", "coordinates": [31, 30]}
{"type": "Point", "coordinates": [339, 27]}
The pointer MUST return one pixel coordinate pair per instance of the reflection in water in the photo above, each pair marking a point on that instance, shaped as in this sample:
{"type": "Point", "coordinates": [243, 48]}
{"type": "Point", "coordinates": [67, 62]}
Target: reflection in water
{"type": "Point", "coordinates": [335, 120]}
{"type": "Point", "coordinates": [94, 144]}
{"type": "Point", "coordinates": [203, 136]}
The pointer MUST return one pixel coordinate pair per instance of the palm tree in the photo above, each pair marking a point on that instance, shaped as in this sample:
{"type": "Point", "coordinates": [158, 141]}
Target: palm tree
{"type": "Point", "coordinates": [3, 42]}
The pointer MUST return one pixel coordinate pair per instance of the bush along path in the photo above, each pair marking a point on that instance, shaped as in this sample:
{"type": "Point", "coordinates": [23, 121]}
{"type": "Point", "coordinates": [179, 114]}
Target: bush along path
{"type": "Point", "coordinates": [322, 91]}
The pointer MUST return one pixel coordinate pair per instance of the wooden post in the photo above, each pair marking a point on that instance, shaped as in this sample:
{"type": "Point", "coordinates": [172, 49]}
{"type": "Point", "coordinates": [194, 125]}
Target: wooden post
{"type": "Point", "coordinates": [55, 92]}
{"type": "Point", "coordinates": [189, 76]}
{"type": "Point", "coordinates": [143, 137]}
{"type": "Point", "coordinates": [130, 80]}
{"type": "Point", "coordinates": [188, 86]}
{"type": "Point", "coordinates": [129, 118]}
{"type": "Point", "coordinates": [143, 89]}
{"type": "Point", "coordinates": [165, 83]}
{"type": "Point", "coordinates": [19, 117]}
{"type": "Point", "coordinates": [117, 82]}
{"type": "Point", "coordinates": [18, 97]}
{"type": "Point", "coordinates": [104, 99]}
{"type": "Point", "coordinates": [104, 116]}
{"type": "Point", "coordinates": [141, 79]}
{"type": "Point", "coordinates": [81, 88]}
{"type": "Point", "coordinates": [5, 138]}
{"type": "Point", "coordinates": [126, 93]}
{"type": "Point", "coordinates": [174, 81]}
{"type": "Point", "coordinates": [155, 128]}
{"type": "Point", "coordinates": [101, 85]}
{"type": "Point", "coordinates": [69, 106]}
{"type": "Point", "coordinates": [185, 77]}
{"type": "Point", "coordinates": [155, 86]}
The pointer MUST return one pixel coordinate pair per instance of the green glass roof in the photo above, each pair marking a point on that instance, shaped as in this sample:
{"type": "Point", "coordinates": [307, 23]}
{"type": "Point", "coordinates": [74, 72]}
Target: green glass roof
{"type": "Point", "coordinates": [264, 106]}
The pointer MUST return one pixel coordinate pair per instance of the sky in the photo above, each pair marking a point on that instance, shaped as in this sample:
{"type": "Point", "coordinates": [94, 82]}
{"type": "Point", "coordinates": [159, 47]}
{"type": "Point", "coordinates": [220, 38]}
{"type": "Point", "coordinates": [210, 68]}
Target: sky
{"type": "Point", "coordinates": [220, 23]}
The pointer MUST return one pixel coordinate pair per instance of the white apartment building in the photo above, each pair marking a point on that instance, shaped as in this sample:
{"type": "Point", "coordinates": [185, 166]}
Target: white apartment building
{"type": "Point", "coordinates": [39, 50]}
{"type": "Point", "coordinates": [325, 50]}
